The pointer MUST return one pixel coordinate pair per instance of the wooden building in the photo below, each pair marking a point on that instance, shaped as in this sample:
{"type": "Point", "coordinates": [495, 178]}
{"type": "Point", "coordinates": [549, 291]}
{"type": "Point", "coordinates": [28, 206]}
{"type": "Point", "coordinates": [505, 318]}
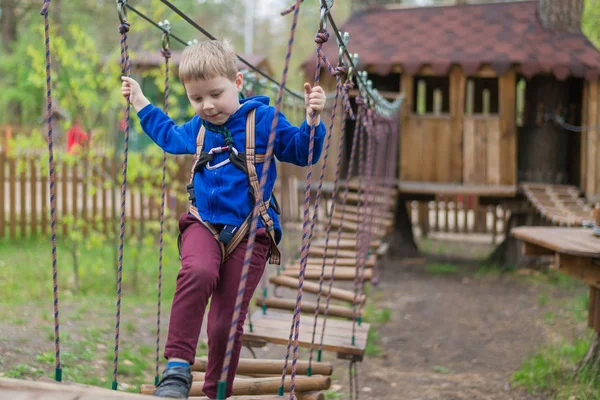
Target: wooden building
{"type": "Point", "coordinates": [493, 93]}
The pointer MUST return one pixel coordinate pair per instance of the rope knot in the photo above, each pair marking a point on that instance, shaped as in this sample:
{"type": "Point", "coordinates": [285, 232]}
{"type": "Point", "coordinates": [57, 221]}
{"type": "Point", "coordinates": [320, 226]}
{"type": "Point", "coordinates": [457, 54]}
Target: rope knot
{"type": "Point", "coordinates": [348, 85]}
{"type": "Point", "coordinates": [340, 70]}
{"type": "Point", "coordinates": [44, 10]}
{"type": "Point", "coordinates": [322, 37]}
{"type": "Point", "coordinates": [124, 28]}
{"type": "Point", "coordinates": [166, 53]}
{"type": "Point", "coordinates": [360, 101]}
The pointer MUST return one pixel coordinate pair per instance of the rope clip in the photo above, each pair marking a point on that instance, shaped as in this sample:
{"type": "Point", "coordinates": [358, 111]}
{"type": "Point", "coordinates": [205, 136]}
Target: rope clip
{"type": "Point", "coordinates": [218, 150]}
{"type": "Point", "coordinates": [342, 46]}
{"type": "Point", "coordinates": [122, 10]}
{"type": "Point", "coordinates": [166, 35]}
{"type": "Point", "coordinates": [325, 8]}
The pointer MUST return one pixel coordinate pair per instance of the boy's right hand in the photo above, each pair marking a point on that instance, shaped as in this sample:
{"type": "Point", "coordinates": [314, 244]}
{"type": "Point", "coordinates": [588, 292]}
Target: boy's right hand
{"type": "Point", "coordinates": [130, 88]}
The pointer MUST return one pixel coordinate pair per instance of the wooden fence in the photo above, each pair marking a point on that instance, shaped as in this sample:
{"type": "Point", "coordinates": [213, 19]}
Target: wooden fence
{"type": "Point", "coordinates": [93, 194]}
{"type": "Point", "coordinates": [459, 215]}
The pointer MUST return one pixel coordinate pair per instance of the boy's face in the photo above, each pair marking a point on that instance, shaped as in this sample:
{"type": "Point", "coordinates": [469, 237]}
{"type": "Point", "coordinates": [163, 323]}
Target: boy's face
{"type": "Point", "coordinates": [215, 100]}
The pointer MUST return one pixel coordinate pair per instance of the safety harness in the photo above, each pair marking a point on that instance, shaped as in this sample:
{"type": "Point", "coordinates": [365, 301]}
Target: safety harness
{"type": "Point", "coordinates": [229, 237]}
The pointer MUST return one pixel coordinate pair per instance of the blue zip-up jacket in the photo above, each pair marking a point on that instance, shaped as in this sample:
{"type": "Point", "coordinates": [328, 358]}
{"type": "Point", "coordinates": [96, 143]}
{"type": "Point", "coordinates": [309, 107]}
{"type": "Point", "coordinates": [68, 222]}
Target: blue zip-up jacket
{"type": "Point", "coordinates": [222, 195]}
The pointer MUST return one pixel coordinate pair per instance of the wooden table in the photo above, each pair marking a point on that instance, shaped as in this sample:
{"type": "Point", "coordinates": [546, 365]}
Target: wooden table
{"type": "Point", "coordinates": [577, 254]}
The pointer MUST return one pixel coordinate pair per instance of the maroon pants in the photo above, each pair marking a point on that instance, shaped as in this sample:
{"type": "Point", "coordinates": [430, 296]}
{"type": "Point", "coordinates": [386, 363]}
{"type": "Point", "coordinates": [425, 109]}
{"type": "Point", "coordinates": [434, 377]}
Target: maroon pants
{"type": "Point", "coordinates": [202, 276]}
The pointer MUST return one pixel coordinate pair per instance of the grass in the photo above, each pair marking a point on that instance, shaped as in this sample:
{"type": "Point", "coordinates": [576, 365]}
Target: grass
{"type": "Point", "coordinates": [87, 316]}
{"type": "Point", "coordinates": [441, 269]}
{"type": "Point", "coordinates": [551, 369]}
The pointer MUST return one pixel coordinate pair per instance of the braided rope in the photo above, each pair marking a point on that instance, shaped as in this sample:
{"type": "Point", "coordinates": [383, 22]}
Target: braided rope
{"type": "Point", "coordinates": [362, 214]}
{"type": "Point", "coordinates": [322, 37]}
{"type": "Point", "coordinates": [337, 73]}
{"type": "Point", "coordinates": [51, 172]}
{"type": "Point", "coordinates": [222, 385]}
{"type": "Point", "coordinates": [163, 195]}
{"type": "Point", "coordinates": [347, 109]}
{"type": "Point", "coordinates": [343, 213]}
{"type": "Point", "coordinates": [369, 208]}
{"type": "Point", "coordinates": [125, 69]}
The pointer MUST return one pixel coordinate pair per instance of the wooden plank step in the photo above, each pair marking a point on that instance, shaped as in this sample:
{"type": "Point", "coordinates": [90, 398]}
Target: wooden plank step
{"type": "Point", "coordinates": [376, 231]}
{"type": "Point", "coordinates": [385, 213]}
{"type": "Point", "coordinates": [341, 273]}
{"type": "Point", "coordinates": [340, 261]}
{"type": "Point", "coordinates": [307, 307]}
{"type": "Point", "coordinates": [355, 198]}
{"type": "Point", "coordinates": [345, 242]}
{"type": "Point", "coordinates": [379, 221]}
{"type": "Point", "coordinates": [297, 396]}
{"type": "Point", "coordinates": [319, 251]}
{"type": "Point", "coordinates": [249, 366]}
{"type": "Point", "coordinates": [261, 386]}
{"type": "Point", "coordinates": [274, 327]}
{"type": "Point", "coordinates": [312, 287]}
{"type": "Point", "coordinates": [44, 390]}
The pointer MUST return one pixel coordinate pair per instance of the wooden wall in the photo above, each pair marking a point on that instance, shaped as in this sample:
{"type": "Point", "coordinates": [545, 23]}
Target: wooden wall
{"type": "Point", "coordinates": [458, 148]}
{"type": "Point", "coordinates": [590, 164]}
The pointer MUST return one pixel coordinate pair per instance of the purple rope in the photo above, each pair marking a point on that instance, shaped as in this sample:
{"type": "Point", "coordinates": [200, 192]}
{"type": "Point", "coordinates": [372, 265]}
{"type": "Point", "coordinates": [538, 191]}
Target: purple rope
{"type": "Point", "coordinates": [321, 38]}
{"type": "Point", "coordinates": [337, 73]}
{"type": "Point", "coordinates": [346, 87]}
{"type": "Point", "coordinates": [51, 172]}
{"type": "Point", "coordinates": [255, 213]}
{"type": "Point", "coordinates": [166, 54]}
{"type": "Point", "coordinates": [362, 215]}
{"type": "Point", "coordinates": [370, 207]}
{"type": "Point", "coordinates": [125, 69]}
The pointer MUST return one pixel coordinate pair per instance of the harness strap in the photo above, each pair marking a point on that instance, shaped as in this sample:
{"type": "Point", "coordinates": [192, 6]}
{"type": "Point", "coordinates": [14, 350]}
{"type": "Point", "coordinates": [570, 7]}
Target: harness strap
{"type": "Point", "coordinates": [254, 184]}
{"type": "Point", "coordinates": [201, 158]}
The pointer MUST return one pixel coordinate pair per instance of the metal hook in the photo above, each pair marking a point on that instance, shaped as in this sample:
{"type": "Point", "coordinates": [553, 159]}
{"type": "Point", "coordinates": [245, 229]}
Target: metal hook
{"type": "Point", "coordinates": [342, 46]}
{"type": "Point", "coordinates": [325, 8]}
{"type": "Point", "coordinates": [166, 36]}
{"type": "Point", "coordinates": [122, 10]}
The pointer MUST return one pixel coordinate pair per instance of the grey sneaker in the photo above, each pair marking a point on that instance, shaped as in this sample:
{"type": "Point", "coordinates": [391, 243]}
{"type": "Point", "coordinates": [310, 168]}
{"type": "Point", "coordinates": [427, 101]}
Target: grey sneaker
{"type": "Point", "coordinates": [175, 383]}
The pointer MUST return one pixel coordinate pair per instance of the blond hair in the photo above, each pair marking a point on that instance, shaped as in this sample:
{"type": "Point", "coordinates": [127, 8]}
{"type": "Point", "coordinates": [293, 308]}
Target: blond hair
{"type": "Point", "coordinates": [208, 60]}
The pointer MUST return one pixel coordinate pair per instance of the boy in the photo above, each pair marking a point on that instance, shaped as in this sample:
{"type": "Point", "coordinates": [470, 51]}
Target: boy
{"type": "Point", "coordinates": [221, 202]}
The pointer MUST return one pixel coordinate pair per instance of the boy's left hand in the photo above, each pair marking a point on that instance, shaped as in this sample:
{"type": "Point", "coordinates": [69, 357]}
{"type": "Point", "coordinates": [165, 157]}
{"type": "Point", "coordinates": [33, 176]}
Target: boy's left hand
{"type": "Point", "coordinates": [314, 99]}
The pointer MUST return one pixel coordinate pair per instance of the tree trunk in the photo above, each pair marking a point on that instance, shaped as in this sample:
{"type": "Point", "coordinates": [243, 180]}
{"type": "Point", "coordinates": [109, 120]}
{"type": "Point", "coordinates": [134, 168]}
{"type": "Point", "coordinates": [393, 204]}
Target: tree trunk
{"type": "Point", "coordinates": [542, 142]}
{"type": "Point", "coordinates": [402, 240]}
{"type": "Point", "coordinates": [508, 253]}
{"type": "Point", "coordinates": [8, 29]}
{"type": "Point", "coordinates": [590, 365]}
{"type": "Point", "coordinates": [561, 15]}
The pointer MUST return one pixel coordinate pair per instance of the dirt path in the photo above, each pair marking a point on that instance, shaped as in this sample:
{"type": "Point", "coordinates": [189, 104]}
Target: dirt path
{"type": "Point", "coordinates": [458, 335]}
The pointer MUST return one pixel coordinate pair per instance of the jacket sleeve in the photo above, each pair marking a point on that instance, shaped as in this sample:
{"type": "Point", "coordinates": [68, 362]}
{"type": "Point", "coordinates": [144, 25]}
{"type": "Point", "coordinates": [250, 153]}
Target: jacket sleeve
{"type": "Point", "coordinates": [166, 134]}
{"type": "Point", "coordinates": [292, 143]}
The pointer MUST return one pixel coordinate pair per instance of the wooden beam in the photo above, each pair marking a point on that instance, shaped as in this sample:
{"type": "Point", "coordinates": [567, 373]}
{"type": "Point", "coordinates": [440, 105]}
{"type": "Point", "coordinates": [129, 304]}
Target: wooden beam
{"type": "Point", "coordinates": [581, 268]}
{"type": "Point", "coordinates": [592, 141]}
{"type": "Point", "coordinates": [312, 287]}
{"type": "Point", "coordinates": [306, 307]}
{"type": "Point", "coordinates": [529, 249]}
{"type": "Point", "coordinates": [35, 390]}
{"type": "Point", "coordinates": [341, 273]}
{"type": "Point", "coordinates": [248, 366]}
{"type": "Point", "coordinates": [261, 386]}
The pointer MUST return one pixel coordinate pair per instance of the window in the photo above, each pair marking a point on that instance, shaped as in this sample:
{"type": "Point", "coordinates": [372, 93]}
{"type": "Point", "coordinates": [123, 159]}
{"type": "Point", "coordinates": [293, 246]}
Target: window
{"type": "Point", "coordinates": [481, 96]}
{"type": "Point", "coordinates": [431, 95]}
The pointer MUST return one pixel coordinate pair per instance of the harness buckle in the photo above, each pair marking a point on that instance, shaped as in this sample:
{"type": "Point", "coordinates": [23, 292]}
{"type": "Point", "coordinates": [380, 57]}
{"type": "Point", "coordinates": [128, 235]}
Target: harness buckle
{"type": "Point", "coordinates": [227, 233]}
{"type": "Point", "coordinates": [218, 150]}
{"type": "Point", "coordinates": [190, 190]}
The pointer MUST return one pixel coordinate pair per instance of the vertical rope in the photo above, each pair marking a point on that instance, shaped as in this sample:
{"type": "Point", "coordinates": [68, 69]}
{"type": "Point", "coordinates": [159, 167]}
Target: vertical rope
{"type": "Point", "coordinates": [337, 73]}
{"type": "Point", "coordinates": [353, 149]}
{"type": "Point", "coordinates": [58, 368]}
{"type": "Point", "coordinates": [166, 54]}
{"type": "Point", "coordinates": [322, 37]}
{"type": "Point", "coordinates": [222, 385]}
{"type": "Point", "coordinates": [361, 216]}
{"type": "Point", "coordinates": [125, 69]}
{"type": "Point", "coordinates": [347, 114]}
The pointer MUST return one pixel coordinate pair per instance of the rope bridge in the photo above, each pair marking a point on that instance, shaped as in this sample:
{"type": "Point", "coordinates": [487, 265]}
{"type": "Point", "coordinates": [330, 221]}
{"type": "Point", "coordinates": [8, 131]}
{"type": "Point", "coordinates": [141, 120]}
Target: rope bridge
{"type": "Point", "coordinates": [349, 253]}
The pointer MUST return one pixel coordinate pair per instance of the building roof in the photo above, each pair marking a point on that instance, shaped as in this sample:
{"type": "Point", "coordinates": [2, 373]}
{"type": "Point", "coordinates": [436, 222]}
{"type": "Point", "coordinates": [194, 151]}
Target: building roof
{"type": "Point", "coordinates": [471, 35]}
